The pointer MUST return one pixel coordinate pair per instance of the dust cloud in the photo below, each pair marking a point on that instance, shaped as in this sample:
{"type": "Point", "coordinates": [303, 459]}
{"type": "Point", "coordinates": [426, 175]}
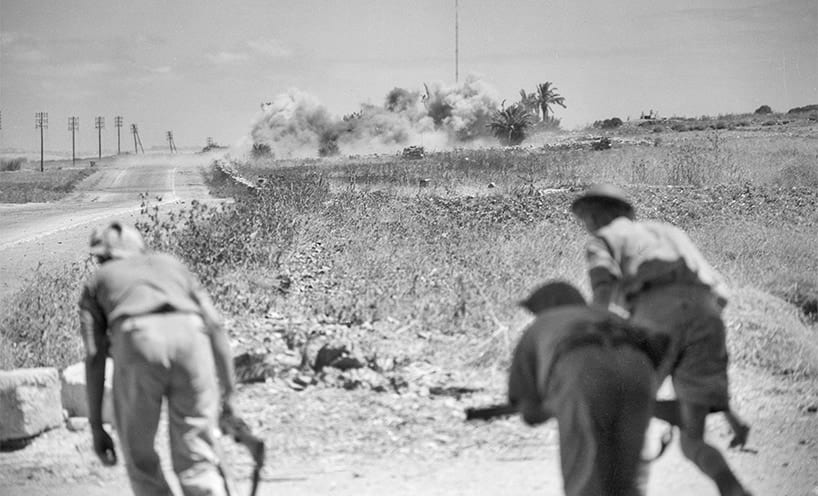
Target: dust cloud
{"type": "Point", "coordinates": [436, 116]}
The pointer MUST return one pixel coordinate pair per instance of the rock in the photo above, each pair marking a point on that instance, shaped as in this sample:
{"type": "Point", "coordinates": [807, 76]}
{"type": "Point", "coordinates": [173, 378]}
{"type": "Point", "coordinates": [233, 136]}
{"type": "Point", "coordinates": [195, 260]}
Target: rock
{"type": "Point", "coordinates": [254, 367]}
{"type": "Point", "coordinates": [29, 402]}
{"type": "Point", "coordinates": [74, 398]}
{"type": "Point", "coordinates": [337, 356]}
{"type": "Point", "coordinates": [76, 424]}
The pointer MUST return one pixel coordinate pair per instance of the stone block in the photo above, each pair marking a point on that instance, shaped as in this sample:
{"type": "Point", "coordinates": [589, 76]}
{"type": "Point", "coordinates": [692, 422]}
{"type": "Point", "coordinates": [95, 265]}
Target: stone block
{"type": "Point", "coordinates": [74, 398]}
{"type": "Point", "coordinates": [29, 402]}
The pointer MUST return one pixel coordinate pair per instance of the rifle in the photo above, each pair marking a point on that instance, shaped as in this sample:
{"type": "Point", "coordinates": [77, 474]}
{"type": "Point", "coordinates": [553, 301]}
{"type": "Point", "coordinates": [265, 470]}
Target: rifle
{"type": "Point", "coordinates": [492, 411]}
{"type": "Point", "coordinates": [506, 410]}
{"type": "Point", "coordinates": [237, 428]}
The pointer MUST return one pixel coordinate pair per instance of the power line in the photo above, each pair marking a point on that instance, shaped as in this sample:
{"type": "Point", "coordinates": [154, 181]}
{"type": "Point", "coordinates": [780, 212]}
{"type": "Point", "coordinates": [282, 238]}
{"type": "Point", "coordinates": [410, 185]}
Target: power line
{"type": "Point", "coordinates": [73, 126]}
{"type": "Point", "coordinates": [41, 122]}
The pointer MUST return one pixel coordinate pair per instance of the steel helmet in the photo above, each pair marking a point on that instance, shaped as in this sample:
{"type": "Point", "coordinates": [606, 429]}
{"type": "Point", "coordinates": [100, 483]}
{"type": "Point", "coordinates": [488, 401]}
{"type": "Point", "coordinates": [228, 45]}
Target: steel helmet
{"type": "Point", "coordinates": [116, 241]}
{"type": "Point", "coordinates": [552, 294]}
{"type": "Point", "coordinates": [603, 192]}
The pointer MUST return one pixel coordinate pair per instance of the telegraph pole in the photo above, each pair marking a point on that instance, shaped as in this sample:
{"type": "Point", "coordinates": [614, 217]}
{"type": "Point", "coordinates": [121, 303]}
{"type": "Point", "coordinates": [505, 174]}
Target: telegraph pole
{"type": "Point", "coordinates": [136, 139]}
{"type": "Point", "coordinates": [171, 144]}
{"type": "Point", "coordinates": [41, 122]}
{"type": "Point", "coordinates": [456, 41]}
{"type": "Point", "coordinates": [118, 124]}
{"type": "Point", "coordinates": [99, 123]}
{"type": "Point", "coordinates": [73, 126]}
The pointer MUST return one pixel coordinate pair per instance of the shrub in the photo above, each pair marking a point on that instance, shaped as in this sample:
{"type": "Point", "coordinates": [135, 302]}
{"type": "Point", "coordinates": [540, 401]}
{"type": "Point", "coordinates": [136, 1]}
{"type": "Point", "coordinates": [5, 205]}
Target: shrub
{"type": "Point", "coordinates": [12, 164]}
{"type": "Point", "coordinates": [678, 126]}
{"type": "Point", "coordinates": [42, 321]}
{"type": "Point", "coordinates": [764, 109]}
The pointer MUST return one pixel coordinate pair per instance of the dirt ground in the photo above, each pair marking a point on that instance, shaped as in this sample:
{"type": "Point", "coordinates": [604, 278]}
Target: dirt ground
{"type": "Point", "coordinates": [331, 441]}
{"type": "Point", "coordinates": [327, 440]}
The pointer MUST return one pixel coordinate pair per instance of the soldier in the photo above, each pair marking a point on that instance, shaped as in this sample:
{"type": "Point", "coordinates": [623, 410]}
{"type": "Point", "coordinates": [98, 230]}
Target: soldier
{"type": "Point", "coordinates": [654, 271]}
{"type": "Point", "coordinates": [595, 373]}
{"type": "Point", "coordinates": [150, 314]}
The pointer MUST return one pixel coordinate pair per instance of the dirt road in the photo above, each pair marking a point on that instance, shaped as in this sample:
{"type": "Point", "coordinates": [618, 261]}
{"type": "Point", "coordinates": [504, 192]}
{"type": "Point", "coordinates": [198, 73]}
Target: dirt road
{"type": "Point", "coordinates": [56, 233]}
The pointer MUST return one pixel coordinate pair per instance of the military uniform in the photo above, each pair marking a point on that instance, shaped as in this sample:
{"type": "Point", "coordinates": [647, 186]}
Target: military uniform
{"type": "Point", "coordinates": [665, 283]}
{"type": "Point", "coordinates": [656, 273]}
{"type": "Point", "coordinates": [580, 365]}
{"type": "Point", "coordinates": [152, 316]}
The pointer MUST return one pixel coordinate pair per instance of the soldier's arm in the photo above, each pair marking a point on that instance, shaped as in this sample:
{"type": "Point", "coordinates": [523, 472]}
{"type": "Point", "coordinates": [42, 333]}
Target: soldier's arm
{"type": "Point", "coordinates": [603, 271]}
{"type": "Point", "coordinates": [523, 390]}
{"type": "Point", "coordinates": [94, 327]}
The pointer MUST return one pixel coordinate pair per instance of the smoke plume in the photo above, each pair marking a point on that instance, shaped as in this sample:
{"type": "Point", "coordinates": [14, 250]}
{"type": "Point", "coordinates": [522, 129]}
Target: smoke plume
{"type": "Point", "coordinates": [296, 124]}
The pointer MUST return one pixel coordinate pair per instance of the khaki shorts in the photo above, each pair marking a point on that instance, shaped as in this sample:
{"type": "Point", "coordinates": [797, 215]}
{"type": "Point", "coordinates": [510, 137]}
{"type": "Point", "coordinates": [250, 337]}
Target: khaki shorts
{"type": "Point", "coordinates": [697, 358]}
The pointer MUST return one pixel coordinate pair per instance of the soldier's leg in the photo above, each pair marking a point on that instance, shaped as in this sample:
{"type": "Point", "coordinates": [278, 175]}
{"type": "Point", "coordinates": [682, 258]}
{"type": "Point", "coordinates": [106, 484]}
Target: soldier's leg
{"type": "Point", "coordinates": [193, 403]}
{"type": "Point", "coordinates": [741, 430]}
{"type": "Point", "coordinates": [635, 389]}
{"type": "Point", "coordinates": [570, 387]}
{"type": "Point", "coordinates": [138, 386]}
{"type": "Point", "coordinates": [706, 457]}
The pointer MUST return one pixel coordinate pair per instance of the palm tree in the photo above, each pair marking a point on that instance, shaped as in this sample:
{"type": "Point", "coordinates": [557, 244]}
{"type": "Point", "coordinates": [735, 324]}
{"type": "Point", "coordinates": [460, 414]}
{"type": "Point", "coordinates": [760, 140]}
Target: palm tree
{"type": "Point", "coordinates": [510, 124]}
{"type": "Point", "coordinates": [530, 102]}
{"type": "Point", "coordinates": [546, 96]}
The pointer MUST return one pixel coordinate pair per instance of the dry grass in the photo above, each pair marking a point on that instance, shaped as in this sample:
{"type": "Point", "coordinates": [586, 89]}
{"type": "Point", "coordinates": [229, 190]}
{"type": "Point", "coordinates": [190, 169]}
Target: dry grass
{"type": "Point", "coordinates": [26, 186]}
{"type": "Point", "coordinates": [359, 240]}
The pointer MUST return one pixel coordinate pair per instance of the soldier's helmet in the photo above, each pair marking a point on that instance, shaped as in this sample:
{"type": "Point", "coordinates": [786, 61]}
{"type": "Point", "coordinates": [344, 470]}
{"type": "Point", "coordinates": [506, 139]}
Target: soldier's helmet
{"type": "Point", "coordinates": [116, 240]}
{"type": "Point", "coordinates": [552, 294]}
{"type": "Point", "coordinates": [603, 194]}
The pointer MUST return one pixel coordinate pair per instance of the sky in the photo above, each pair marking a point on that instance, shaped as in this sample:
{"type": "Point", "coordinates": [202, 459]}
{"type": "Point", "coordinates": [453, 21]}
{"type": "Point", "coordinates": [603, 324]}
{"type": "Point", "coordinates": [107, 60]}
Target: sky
{"type": "Point", "coordinates": [202, 68]}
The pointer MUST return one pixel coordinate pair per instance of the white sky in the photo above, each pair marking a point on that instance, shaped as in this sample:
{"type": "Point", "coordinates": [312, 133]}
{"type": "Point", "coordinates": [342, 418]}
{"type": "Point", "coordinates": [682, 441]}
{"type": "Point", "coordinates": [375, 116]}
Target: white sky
{"type": "Point", "coordinates": [200, 68]}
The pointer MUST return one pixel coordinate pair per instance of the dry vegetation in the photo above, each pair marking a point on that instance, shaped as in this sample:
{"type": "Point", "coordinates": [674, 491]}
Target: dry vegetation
{"type": "Point", "coordinates": [447, 244]}
{"type": "Point", "coordinates": [21, 183]}
{"type": "Point", "coordinates": [416, 266]}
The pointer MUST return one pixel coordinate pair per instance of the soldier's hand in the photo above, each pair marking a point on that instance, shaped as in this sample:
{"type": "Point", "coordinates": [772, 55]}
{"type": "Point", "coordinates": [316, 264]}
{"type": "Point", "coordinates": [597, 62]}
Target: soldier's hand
{"type": "Point", "coordinates": [104, 447]}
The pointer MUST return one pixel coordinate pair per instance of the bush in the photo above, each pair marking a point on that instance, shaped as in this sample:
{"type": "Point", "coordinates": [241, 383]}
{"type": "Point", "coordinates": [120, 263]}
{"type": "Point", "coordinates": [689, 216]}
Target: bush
{"type": "Point", "coordinates": [261, 150]}
{"type": "Point", "coordinates": [764, 109]}
{"type": "Point", "coordinates": [612, 123]}
{"type": "Point", "coordinates": [12, 164]}
{"type": "Point", "coordinates": [678, 126]}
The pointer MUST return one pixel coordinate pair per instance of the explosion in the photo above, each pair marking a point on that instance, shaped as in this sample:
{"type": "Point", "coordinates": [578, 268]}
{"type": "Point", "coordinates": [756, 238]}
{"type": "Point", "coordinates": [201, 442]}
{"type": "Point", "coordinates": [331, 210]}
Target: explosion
{"type": "Point", "coordinates": [296, 124]}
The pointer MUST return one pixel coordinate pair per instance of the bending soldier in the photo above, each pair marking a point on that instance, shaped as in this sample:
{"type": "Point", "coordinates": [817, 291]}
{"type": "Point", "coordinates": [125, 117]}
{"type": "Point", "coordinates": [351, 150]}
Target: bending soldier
{"type": "Point", "coordinates": [152, 316]}
{"type": "Point", "coordinates": [594, 373]}
{"type": "Point", "coordinates": [654, 271]}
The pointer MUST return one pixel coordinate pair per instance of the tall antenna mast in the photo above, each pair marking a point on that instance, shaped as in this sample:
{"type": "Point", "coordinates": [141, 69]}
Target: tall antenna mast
{"type": "Point", "coordinates": [456, 42]}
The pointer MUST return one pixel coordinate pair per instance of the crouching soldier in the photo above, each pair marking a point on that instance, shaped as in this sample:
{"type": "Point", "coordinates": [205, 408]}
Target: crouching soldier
{"type": "Point", "coordinates": [151, 315]}
{"type": "Point", "coordinates": [595, 374]}
{"type": "Point", "coordinates": [654, 271]}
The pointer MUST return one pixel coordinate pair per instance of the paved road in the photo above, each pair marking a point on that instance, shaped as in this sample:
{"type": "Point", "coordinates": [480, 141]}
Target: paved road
{"type": "Point", "coordinates": [56, 233]}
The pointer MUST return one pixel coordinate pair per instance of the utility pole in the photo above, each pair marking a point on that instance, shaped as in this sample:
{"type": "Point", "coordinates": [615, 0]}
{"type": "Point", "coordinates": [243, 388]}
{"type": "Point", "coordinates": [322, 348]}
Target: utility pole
{"type": "Point", "coordinates": [99, 123]}
{"type": "Point", "coordinates": [73, 126]}
{"type": "Point", "coordinates": [136, 139]}
{"type": "Point", "coordinates": [118, 124]}
{"type": "Point", "coordinates": [170, 142]}
{"type": "Point", "coordinates": [41, 122]}
{"type": "Point", "coordinates": [456, 42]}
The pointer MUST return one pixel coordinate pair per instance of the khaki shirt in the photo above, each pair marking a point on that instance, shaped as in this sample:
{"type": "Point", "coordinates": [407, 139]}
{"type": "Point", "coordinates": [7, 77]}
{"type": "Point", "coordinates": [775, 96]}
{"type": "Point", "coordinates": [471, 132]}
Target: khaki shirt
{"type": "Point", "coordinates": [636, 255]}
{"type": "Point", "coordinates": [139, 285]}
